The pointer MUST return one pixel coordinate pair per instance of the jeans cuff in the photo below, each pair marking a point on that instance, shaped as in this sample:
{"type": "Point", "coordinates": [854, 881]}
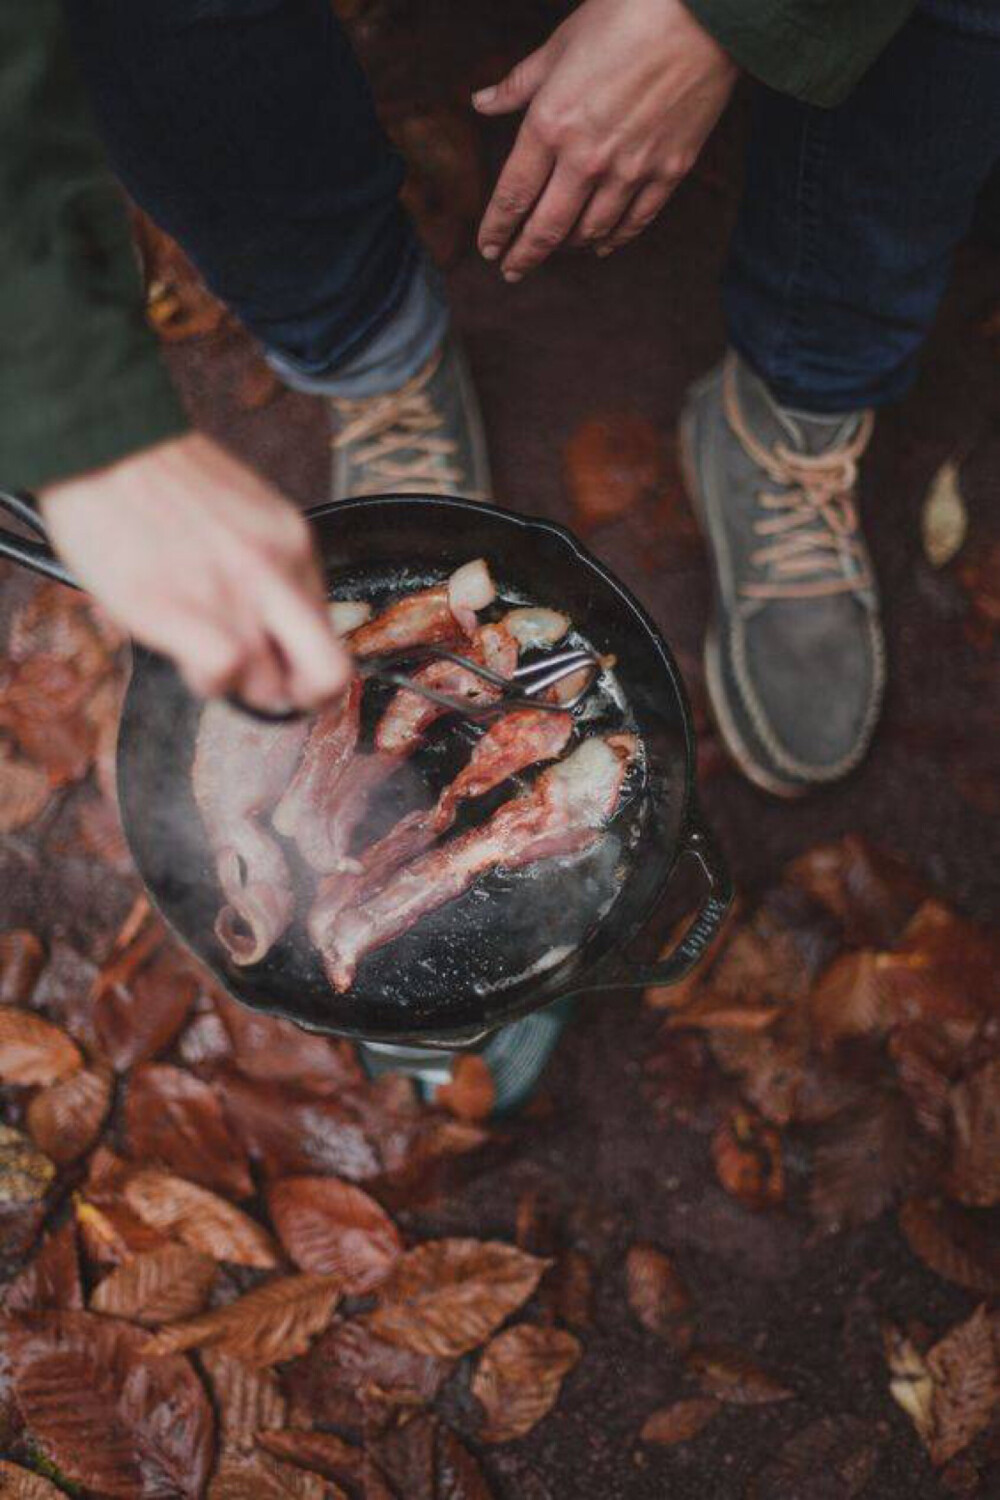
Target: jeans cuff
{"type": "Point", "coordinates": [400, 347]}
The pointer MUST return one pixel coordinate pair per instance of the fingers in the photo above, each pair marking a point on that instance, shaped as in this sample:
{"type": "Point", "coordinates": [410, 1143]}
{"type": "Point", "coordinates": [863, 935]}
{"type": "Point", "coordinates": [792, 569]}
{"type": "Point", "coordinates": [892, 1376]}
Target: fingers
{"type": "Point", "coordinates": [523, 178]}
{"type": "Point", "coordinates": [517, 90]}
{"type": "Point", "coordinates": [549, 224]}
{"type": "Point", "coordinates": [317, 666]}
{"type": "Point", "coordinates": [604, 211]}
{"type": "Point", "coordinates": [643, 209]}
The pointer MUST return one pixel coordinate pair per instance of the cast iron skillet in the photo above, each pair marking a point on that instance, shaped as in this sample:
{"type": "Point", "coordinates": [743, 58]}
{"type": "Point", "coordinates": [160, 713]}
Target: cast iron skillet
{"type": "Point", "coordinates": [514, 943]}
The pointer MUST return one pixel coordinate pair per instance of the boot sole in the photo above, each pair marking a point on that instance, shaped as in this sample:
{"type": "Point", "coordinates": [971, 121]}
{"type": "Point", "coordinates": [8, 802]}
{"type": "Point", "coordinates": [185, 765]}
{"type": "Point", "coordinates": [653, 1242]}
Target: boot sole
{"type": "Point", "coordinates": [725, 722]}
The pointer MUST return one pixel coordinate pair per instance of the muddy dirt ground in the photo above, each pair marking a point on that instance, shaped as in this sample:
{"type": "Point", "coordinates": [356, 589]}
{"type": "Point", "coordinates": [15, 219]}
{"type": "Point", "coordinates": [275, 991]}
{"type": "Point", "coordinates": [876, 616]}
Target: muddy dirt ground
{"type": "Point", "coordinates": [580, 337]}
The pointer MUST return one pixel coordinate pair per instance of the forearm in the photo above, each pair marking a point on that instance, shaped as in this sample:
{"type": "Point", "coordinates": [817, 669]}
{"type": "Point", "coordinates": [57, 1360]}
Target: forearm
{"type": "Point", "coordinates": [815, 50]}
{"type": "Point", "coordinates": [81, 381]}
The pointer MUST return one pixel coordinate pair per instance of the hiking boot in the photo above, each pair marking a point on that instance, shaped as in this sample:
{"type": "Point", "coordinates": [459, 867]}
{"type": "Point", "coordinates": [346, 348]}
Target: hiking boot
{"type": "Point", "coordinates": [424, 438]}
{"type": "Point", "coordinates": [794, 657]}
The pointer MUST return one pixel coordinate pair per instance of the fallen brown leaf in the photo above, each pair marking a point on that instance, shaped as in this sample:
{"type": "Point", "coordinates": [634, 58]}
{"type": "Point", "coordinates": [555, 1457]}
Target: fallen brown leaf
{"type": "Point", "coordinates": [834, 1458]}
{"type": "Point", "coordinates": [32, 1050]}
{"type": "Point", "coordinates": [65, 1119]}
{"type": "Point", "coordinates": [847, 999]}
{"type": "Point", "coordinates": [519, 1378]}
{"type": "Point", "coordinates": [330, 1227]}
{"type": "Point", "coordinates": [470, 1095]}
{"type": "Point", "coordinates": [274, 1322]}
{"type": "Point", "coordinates": [51, 1279]}
{"type": "Point", "coordinates": [953, 1243]}
{"type": "Point", "coordinates": [249, 1403]}
{"type": "Point", "coordinates": [658, 1296]}
{"type": "Point", "coordinates": [974, 1174]}
{"type": "Point", "coordinates": [21, 1484]}
{"type": "Point", "coordinates": [258, 1476]}
{"type": "Point", "coordinates": [25, 1172]}
{"type": "Point", "coordinates": [276, 1051]}
{"type": "Point", "coordinates": [612, 462]}
{"type": "Point", "coordinates": [198, 1218]}
{"type": "Point", "coordinates": [142, 999]}
{"type": "Point", "coordinates": [112, 1233]}
{"type": "Point", "coordinates": [734, 1377]}
{"type": "Point", "coordinates": [865, 1162]}
{"type": "Point", "coordinates": [161, 1286]}
{"type": "Point", "coordinates": [447, 1296]}
{"type": "Point", "coordinates": [872, 894]}
{"type": "Point", "coordinates": [568, 1289]}
{"type": "Point", "coordinates": [926, 1061]}
{"type": "Point", "coordinates": [321, 1452]}
{"type": "Point", "coordinates": [292, 1133]}
{"type": "Point", "coordinates": [176, 1121]}
{"type": "Point", "coordinates": [21, 961]}
{"type": "Point", "coordinates": [748, 1162]}
{"type": "Point", "coordinates": [966, 1377]}
{"type": "Point", "coordinates": [679, 1423]}
{"type": "Point", "coordinates": [350, 1369]}
{"type": "Point", "coordinates": [110, 1420]}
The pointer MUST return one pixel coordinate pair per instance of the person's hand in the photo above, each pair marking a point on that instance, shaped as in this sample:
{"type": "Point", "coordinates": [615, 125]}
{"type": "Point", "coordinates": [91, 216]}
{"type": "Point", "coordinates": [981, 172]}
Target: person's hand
{"type": "Point", "coordinates": [620, 101]}
{"type": "Point", "coordinates": [201, 559]}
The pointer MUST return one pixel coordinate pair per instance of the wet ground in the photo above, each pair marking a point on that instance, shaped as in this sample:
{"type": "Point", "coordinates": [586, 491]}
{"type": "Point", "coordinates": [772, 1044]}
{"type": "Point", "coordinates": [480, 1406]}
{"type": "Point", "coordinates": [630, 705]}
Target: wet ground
{"type": "Point", "coordinates": [582, 337]}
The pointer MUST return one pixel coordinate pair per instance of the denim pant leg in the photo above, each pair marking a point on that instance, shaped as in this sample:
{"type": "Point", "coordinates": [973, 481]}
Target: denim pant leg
{"type": "Point", "coordinates": [850, 216]}
{"type": "Point", "coordinates": [247, 129]}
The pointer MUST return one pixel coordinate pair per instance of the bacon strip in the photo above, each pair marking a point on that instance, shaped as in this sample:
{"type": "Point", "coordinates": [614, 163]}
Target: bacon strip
{"type": "Point", "coordinates": [563, 812]}
{"type": "Point", "coordinates": [306, 810]}
{"type": "Point", "coordinates": [430, 616]}
{"type": "Point", "coordinates": [241, 767]}
{"type": "Point", "coordinates": [408, 716]}
{"type": "Point", "coordinates": [519, 740]}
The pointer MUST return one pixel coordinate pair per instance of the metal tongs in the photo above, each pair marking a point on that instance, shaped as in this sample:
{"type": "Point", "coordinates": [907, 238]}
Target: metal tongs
{"type": "Point", "coordinates": [524, 688]}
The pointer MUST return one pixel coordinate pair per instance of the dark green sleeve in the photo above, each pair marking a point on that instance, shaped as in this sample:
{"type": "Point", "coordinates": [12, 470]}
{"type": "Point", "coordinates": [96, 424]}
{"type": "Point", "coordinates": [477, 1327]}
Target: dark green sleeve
{"type": "Point", "coordinates": [815, 50]}
{"type": "Point", "coordinates": [81, 379]}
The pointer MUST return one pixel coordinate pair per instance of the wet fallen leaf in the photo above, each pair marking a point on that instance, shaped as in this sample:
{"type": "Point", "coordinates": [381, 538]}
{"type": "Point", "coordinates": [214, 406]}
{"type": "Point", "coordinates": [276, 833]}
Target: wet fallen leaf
{"type": "Point", "coordinates": [748, 1162]}
{"type": "Point", "coordinates": [771, 1066]}
{"type": "Point", "coordinates": [447, 1296]}
{"type": "Point", "coordinates": [941, 970]}
{"type": "Point", "coordinates": [925, 1061]}
{"type": "Point", "coordinates": [734, 1377]}
{"type": "Point", "coordinates": [32, 1050]}
{"type": "Point", "coordinates": [470, 1094]}
{"type": "Point", "coordinates": [974, 1174]}
{"type": "Point", "coordinates": [292, 1133]}
{"type": "Point", "coordinates": [459, 1476]}
{"type": "Point", "coordinates": [65, 1119]}
{"type": "Point", "coordinates": [834, 1458]}
{"type": "Point", "coordinates": [330, 1227]}
{"type": "Point", "coordinates": [658, 1296]}
{"type": "Point", "coordinates": [611, 463]}
{"type": "Point", "coordinates": [350, 1368]}
{"type": "Point", "coordinates": [21, 960]}
{"type": "Point", "coordinates": [142, 1000]}
{"type": "Point", "coordinates": [944, 521]}
{"type": "Point", "coordinates": [204, 1041]}
{"type": "Point", "coordinates": [321, 1452]}
{"type": "Point", "coordinates": [872, 894]}
{"type": "Point", "coordinates": [21, 1484]}
{"type": "Point", "coordinates": [161, 1286]}
{"type": "Point", "coordinates": [198, 1218]}
{"type": "Point", "coordinates": [964, 1369]}
{"type": "Point", "coordinates": [63, 991]}
{"type": "Point", "coordinates": [847, 999]}
{"type": "Point", "coordinates": [679, 1423]}
{"type": "Point", "coordinates": [865, 1161]}
{"type": "Point", "coordinates": [112, 1234]}
{"type": "Point", "coordinates": [176, 1121]}
{"type": "Point", "coordinates": [519, 1378]}
{"type": "Point", "coordinates": [979, 574]}
{"type": "Point", "coordinates": [258, 1476]}
{"type": "Point", "coordinates": [568, 1289]}
{"type": "Point", "coordinates": [276, 1051]}
{"type": "Point", "coordinates": [51, 1279]}
{"type": "Point", "coordinates": [276, 1321]}
{"type": "Point", "coordinates": [258, 386]}
{"type": "Point", "coordinates": [953, 1243]}
{"type": "Point", "coordinates": [99, 835]}
{"type": "Point", "coordinates": [249, 1403]}
{"type": "Point", "coordinates": [117, 1423]}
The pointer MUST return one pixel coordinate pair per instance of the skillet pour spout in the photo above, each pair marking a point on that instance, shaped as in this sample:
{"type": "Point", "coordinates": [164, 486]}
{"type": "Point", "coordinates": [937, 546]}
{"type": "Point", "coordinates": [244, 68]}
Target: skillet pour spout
{"type": "Point", "coordinates": [495, 955]}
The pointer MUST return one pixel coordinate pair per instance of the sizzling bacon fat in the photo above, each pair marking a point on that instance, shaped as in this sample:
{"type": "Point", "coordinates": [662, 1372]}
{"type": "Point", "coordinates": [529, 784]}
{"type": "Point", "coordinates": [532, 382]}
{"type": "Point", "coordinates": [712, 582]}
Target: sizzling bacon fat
{"type": "Point", "coordinates": [562, 813]}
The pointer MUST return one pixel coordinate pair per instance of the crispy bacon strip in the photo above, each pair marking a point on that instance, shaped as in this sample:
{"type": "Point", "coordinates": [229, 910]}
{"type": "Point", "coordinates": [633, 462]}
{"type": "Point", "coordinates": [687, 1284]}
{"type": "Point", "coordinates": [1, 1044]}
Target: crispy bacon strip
{"type": "Point", "coordinates": [408, 715]}
{"type": "Point", "coordinates": [520, 739]}
{"type": "Point", "coordinates": [563, 812]}
{"type": "Point", "coordinates": [429, 616]}
{"type": "Point", "coordinates": [241, 767]}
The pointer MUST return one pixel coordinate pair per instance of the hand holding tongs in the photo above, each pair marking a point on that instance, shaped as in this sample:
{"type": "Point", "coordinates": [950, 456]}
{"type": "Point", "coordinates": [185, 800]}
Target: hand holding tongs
{"type": "Point", "coordinates": [524, 688]}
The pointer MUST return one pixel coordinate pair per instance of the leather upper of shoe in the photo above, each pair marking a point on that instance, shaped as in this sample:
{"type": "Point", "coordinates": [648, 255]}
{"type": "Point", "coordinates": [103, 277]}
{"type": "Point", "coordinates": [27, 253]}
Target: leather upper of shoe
{"type": "Point", "coordinates": [803, 647]}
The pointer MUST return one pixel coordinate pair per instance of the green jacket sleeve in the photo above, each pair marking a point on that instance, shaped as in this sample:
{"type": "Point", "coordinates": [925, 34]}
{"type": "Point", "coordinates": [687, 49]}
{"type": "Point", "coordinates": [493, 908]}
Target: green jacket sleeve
{"type": "Point", "coordinates": [815, 50]}
{"type": "Point", "coordinates": [81, 379]}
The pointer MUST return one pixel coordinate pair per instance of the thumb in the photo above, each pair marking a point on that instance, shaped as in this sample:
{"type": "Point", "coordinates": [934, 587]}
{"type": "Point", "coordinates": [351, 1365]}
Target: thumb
{"type": "Point", "coordinates": [517, 90]}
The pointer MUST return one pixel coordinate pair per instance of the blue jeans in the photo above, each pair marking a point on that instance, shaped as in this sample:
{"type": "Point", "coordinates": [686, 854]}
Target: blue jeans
{"type": "Point", "coordinates": [850, 216]}
{"type": "Point", "coordinates": [247, 130]}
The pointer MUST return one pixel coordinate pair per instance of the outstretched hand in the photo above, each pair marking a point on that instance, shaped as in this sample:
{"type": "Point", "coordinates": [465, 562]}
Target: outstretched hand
{"type": "Point", "coordinates": [620, 101]}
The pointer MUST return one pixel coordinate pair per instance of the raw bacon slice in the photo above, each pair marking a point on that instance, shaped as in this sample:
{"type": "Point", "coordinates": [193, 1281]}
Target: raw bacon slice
{"type": "Point", "coordinates": [306, 811]}
{"type": "Point", "coordinates": [429, 616]}
{"type": "Point", "coordinates": [241, 768]}
{"type": "Point", "coordinates": [563, 812]}
{"type": "Point", "coordinates": [520, 739]}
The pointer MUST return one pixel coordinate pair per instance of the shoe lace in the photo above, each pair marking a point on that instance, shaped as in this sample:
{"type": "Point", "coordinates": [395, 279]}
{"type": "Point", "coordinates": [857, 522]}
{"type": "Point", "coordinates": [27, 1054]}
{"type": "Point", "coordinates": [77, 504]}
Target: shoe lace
{"type": "Point", "coordinates": [809, 528]}
{"type": "Point", "coordinates": [398, 436]}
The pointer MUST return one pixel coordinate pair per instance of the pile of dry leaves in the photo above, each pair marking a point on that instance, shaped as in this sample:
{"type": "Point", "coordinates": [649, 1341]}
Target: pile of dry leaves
{"type": "Point", "coordinates": [855, 1016]}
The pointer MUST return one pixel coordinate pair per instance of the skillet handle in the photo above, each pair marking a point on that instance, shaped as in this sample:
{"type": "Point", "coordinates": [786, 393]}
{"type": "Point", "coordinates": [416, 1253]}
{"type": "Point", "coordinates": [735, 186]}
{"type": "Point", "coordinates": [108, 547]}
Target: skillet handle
{"type": "Point", "coordinates": [698, 843]}
{"type": "Point", "coordinates": [38, 556]}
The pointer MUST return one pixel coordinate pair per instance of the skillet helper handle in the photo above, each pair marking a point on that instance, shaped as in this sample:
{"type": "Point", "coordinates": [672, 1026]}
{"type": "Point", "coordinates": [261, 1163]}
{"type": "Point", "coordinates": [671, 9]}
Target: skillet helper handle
{"type": "Point", "coordinates": [37, 556]}
{"type": "Point", "coordinates": [699, 935]}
